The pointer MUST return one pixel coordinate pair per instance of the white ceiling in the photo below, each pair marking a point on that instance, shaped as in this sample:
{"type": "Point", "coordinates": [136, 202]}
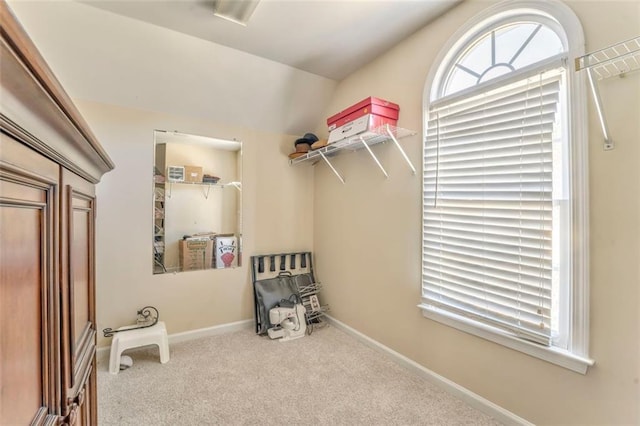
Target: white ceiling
{"type": "Point", "coordinates": [330, 38]}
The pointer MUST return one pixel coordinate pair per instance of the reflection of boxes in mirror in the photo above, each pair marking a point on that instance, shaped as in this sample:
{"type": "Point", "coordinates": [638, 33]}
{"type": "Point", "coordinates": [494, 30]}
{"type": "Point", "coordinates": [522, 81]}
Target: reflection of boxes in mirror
{"type": "Point", "coordinates": [193, 174]}
{"type": "Point", "coordinates": [175, 173]}
{"type": "Point", "coordinates": [195, 253]}
{"type": "Point", "coordinates": [210, 179]}
{"type": "Point", "coordinates": [226, 255]}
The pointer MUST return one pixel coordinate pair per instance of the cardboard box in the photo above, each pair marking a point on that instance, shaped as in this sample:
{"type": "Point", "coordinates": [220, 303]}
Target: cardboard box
{"type": "Point", "coordinates": [358, 126]}
{"type": "Point", "coordinates": [226, 252]}
{"type": "Point", "coordinates": [193, 174]}
{"type": "Point", "coordinates": [195, 253]}
{"type": "Point", "coordinates": [371, 105]}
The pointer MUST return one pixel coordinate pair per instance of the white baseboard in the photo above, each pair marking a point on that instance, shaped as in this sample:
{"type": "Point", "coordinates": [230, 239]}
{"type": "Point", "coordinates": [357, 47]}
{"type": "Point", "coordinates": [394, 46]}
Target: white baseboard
{"type": "Point", "coordinates": [103, 352]}
{"type": "Point", "coordinates": [210, 331]}
{"type": "Point", "coordinates": [474, 400]}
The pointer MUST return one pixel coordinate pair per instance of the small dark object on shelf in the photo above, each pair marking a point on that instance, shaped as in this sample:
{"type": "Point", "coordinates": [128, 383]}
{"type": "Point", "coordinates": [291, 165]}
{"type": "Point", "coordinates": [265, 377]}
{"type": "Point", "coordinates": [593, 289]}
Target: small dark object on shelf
{"type": "Point", "coordinates": [210, 179]}
{"type": "Point", "coordinates": [304, 143]}
{"type": "Point", "coordinates": [308, 138]}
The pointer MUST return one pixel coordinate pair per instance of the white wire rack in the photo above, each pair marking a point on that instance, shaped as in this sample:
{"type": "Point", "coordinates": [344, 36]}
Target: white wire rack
{"type": "Point", "coordinates": [314, 313]}
{"type": "Point", "coordinates": [363, 140]}
{"type": "Point", "coordinates": [616, 60]}
{"type": "Point", "coordinates": [612, 61]}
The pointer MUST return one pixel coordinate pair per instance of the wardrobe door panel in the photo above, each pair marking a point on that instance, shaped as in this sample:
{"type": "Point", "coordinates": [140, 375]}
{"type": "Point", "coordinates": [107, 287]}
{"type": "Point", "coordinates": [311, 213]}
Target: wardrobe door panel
{"type": "Point", "coordinates": [82, 221]}
{"type": "Point", "coordinates": [78, 299]}
{"type": "Point", "coordinates": [28, 334]}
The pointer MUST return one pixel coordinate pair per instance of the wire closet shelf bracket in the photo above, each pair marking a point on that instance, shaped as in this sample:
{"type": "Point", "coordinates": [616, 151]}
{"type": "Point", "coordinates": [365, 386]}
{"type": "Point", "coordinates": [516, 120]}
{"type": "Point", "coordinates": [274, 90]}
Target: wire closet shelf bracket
{"type": "Point", "coordinates": [614, 61]}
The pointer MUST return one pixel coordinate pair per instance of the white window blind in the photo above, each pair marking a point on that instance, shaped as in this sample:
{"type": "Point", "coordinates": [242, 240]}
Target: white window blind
{"type": "Point", "coordinates": [488, 201]}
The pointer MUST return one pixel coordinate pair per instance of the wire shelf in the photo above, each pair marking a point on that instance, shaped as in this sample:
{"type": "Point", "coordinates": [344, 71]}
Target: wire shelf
{"type": "Point", "coordinates": [354, 143]}
{"type": "Point", "coordinates": [316, 315]}
{"type": "Point", "coordinates": [310, 289]}
{"type": "Point", "coordinates": [361, 140]}
{"type": "Point", "coordinates": [615, 60]}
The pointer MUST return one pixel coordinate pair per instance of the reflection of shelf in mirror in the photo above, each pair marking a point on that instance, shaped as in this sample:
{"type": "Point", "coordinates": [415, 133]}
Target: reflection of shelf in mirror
{"type": "Point", "coordinates": [158, 257]}
{"type": "Point", "coordinates": [159, 213]}
{"type": "Point", "coordinates": [363, 140]}
{"type": "Point", "coordinates": [158, 194]}
{"type": "Point", "coordinates": [206, 186]}
{"type": "Point", "coordinates": [195, 183]}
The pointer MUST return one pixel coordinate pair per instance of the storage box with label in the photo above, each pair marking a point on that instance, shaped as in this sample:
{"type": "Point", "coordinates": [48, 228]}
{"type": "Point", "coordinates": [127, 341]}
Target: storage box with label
{"type": "Point", "coordinates": [193, 174]}
{"type": "Point", "coordinates": [175, 173]}
{"type": "Point", "coordinates": [360, 125]}
{"type": "Point", "coordinates": [195, 253]}
{"type": "Point", "coordinates": [371, 105]}
{"type": "Point", "coordinates": [226, 251]}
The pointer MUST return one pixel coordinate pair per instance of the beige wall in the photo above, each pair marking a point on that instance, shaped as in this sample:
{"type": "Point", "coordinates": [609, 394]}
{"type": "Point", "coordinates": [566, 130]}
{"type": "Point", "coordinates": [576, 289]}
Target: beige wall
{"type": "Point", "coordinates": [277, 213]}
{"type": "Point", "coordinates": [367, 239]}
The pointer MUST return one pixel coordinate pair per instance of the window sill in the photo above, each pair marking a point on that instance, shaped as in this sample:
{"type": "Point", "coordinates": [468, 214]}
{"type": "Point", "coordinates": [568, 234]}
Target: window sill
{"type": "Point", "coordinates": [557, 356]}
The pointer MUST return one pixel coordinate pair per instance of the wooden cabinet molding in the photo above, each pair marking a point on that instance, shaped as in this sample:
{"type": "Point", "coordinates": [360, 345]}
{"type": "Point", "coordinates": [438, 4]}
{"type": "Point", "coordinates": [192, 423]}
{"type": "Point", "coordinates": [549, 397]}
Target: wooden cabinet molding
{"type": "Point", "coordinates": [38, 111]}
{"type": "Point", "coordinates": [50, 162]}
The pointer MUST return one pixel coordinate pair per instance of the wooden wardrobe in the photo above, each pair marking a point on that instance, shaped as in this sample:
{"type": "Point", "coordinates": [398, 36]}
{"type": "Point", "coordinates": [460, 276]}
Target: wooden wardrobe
{"type": "Point", "coordinates": [50, 163]}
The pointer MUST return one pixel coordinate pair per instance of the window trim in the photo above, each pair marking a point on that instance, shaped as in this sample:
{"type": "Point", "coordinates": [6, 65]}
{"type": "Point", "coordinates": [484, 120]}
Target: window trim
{"type": "Point", "coordinates": [576, 357]}
{"type": "Point", "coordinates": [551, 354]}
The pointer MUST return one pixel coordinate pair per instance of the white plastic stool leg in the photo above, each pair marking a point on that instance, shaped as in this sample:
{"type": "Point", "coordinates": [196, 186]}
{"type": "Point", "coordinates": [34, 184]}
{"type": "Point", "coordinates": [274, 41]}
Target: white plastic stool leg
{"type": "Point", "coordinates": [155, 335]}
{"type": "Point", "coordinates": [114, 356]}
{"type": "Point", "coordinates": [163, 347]}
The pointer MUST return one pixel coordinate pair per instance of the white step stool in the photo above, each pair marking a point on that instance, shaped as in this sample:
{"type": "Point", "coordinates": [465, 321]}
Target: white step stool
{"type": "Point", "coordinates": [154, 335]}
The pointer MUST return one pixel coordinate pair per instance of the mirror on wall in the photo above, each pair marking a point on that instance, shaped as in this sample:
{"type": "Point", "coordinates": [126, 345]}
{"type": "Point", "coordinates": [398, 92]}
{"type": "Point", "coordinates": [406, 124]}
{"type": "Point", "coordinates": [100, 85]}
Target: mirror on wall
{"type": "Point", "coordinates": [197, 203]}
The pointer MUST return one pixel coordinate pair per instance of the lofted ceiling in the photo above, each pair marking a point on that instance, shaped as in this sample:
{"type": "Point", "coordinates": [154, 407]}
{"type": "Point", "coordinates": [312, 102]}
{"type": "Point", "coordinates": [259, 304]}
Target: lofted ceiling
{"type": "Point", "coordinates": [329, 38]}
{"type": "Point", "coordinates": [277, 74]}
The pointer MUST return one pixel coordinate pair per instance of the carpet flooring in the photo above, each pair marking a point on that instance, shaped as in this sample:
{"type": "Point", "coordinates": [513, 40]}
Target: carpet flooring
{"type": "Point", "coordinates": [239, 378]}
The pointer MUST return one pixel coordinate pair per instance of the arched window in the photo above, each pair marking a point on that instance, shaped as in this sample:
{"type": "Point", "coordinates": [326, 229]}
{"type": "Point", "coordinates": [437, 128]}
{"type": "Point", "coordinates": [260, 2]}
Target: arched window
{"type": "Point", "coordinates": [504, 233]}
{"type": "Point", "coordinates": [501, 50]}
